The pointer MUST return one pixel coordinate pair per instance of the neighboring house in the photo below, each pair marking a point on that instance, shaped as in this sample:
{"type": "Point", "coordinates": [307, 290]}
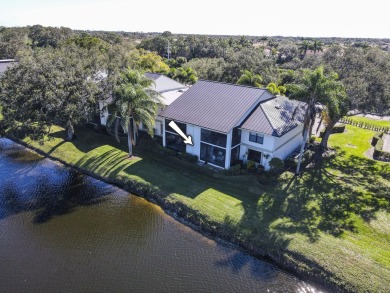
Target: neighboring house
{"type": "Point", "coordinates": [168, 88]}
{"type": "Point", "coordinates": [4, 64]}
{"type": "Point", "coordinates": [230, 122]}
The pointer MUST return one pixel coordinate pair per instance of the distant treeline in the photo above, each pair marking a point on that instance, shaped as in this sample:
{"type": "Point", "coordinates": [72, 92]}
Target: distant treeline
{"type": "Point", "coordinates": [361, 64]}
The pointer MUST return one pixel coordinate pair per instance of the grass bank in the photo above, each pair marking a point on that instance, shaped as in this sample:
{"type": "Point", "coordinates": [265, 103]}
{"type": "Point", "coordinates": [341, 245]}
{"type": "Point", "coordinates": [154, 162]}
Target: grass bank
{"type": "Point", "coordinates": [331, 225]}
{"type": "Point", "coordinates": [379, 123]}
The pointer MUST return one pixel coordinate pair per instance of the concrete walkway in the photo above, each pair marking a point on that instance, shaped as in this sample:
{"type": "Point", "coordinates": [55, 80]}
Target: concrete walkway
{"type": "Point", "coordinates": [386, 142]}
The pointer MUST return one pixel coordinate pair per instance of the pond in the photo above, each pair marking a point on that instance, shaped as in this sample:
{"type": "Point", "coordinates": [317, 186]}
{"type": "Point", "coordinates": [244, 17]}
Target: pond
{"type": "Point", "coordinates": [62, 231]}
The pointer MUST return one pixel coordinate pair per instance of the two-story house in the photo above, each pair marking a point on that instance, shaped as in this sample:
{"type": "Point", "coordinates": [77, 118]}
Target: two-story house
{"type": "Point", "coordinates": [230, 122]}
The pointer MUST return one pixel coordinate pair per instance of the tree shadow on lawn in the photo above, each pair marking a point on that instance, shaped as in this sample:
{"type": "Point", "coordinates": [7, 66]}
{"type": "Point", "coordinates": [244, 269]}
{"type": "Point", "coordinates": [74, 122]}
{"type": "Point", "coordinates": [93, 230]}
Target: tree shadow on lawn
{"type": "Point", "coordinates": [85, 139]}
{"type": "Point", "coordinates": [108, 163]}
{"type": "Point", "coordinates": [317, 201]}
{"type": "Point", "coordinates": [323, 200]}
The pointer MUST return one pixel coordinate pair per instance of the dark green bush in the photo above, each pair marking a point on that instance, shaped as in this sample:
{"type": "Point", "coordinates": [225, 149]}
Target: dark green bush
{"type": "Point", "coordinates": [250, 165]}
{"type": "Point", "coordinates": [188, 157]}
{"type": "Point", "coordinates": [378, 142]}
{"type": "Point", "coordinates": [340, 128]}
{"type": "Point", "coordinates": [276, 164]}
{"type": "Point", "coordinates": [337, 129]}
{"type": "Point", "coordinates": [290, 163]}
{"type": "Point", "coordinates": [378, 136]}
{"type": "Point", "coordinates": [234, 171]}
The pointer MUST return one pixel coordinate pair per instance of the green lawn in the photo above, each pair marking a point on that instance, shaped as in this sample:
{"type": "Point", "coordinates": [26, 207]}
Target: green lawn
{"type": "Point", "coordinates": [334, 218]}
{"type": "Point", "coordinates": [380, 123]}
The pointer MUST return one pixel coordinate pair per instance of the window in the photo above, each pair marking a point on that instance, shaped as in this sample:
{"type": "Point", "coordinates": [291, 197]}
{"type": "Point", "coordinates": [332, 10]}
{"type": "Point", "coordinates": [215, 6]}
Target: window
{"type": "Point", "coordinates": [172, 139]}
{"type": "Point", "coordinates": [254, 137]}
{"type": "Point", "coordinates": [213, 137]}
{"type": "Point", "coordinates": [182, 126]}
{"type": "Point", "coordinates": [212, 154]}
{"type": "Point", "coordinates": [175, 142]}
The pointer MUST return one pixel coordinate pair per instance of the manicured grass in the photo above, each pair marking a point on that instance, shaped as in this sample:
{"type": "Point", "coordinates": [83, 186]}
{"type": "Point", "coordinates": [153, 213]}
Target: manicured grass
{"type": "Point", "coordinates": [334, 218]}
{"type": "Point", "coordinates": [380, 123]}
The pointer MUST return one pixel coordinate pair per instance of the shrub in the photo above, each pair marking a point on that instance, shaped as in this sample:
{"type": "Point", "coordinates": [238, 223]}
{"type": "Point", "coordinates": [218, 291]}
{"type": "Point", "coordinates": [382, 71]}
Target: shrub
{"type": "Point", "coordinates": [340, 128]}
{"type": "Point", "coordinates": [234, 171]}
{"type": "Point", "coordinates": [276, 164]}
{"type": "Point", "coordinates": [188, 157]}
{"type": "Point", "coordinates": [378, 136]}
{"type": "Point", "coordinates": [250, 165]}
{"type": "Point", "coordinates": [378, 142]}
{"type": "Point", "coordinates": [337, 129]}
{"type": "Point", "coordinates": [290, 163]}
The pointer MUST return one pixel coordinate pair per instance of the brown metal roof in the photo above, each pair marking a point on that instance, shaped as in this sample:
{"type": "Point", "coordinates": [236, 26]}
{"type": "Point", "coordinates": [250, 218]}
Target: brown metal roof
{"type": "Point", "coordinates": [214, 105]}
{"type": "Point", "coordinates": [258, 122]}
{"type": "Point", "coordinates": [275, 117]}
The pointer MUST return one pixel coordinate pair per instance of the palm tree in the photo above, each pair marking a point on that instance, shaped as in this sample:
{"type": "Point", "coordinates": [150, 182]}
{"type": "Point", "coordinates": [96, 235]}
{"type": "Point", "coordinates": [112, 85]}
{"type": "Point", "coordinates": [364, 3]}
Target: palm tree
{"type": "Point", "coordinates": [315, 88]}
{"type": "Point", "coordinates": [134, 102]}
{"type": "Point", "coordinates": [336, 106]}
{"type": "Point", "coordinates": [317, 46]}
{"type": "Point", "coordinates": [184, 75]}
{"type": "Point", "coordinates": [248, 78]}
{"type": "Point", "coordinates": [303, 47]}
{"type": "Point", "coordinates": [274, 89]}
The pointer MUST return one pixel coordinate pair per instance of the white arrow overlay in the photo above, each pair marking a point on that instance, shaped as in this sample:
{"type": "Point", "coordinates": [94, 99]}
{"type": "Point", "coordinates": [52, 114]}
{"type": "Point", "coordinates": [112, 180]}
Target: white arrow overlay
{"type": "Point", "coordinates": [187, 139]}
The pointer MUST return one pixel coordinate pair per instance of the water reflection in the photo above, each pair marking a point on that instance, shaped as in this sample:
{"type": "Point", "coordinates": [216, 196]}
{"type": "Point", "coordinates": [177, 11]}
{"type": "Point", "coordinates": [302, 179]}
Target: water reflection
{"type": "Point", "coordinates": [61, 231]}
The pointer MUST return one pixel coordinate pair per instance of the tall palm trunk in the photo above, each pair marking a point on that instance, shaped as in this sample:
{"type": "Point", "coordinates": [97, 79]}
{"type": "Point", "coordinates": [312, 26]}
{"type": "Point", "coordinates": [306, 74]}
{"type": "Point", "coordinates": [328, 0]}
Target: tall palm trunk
{"type": "Point", "coordinates": [301, 151]}
{"type": "Point", "coordinates": [319, 123]}
{"type": "Point", "coordinates": [313, 120]}
{"type": "Point", "coordinates": [129, 142]}
{"type": "Point", "coordinates": [116, 129]}
{"type": "Point", "coordinates": [327, 133]}
{"type": "Point", "coordinates": [70, 130]}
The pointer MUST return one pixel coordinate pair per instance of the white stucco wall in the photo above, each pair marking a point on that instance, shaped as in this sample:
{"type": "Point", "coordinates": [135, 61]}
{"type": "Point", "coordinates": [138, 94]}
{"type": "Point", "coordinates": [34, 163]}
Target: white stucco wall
{"type": "Point", "coordinates": [266, 146]}
{"type": "Point", "coordinates": [280, 147]}
{"type": "Point", "coordinates": [194, 131]}
{"type": "Point", "coordinates": [287, 143]}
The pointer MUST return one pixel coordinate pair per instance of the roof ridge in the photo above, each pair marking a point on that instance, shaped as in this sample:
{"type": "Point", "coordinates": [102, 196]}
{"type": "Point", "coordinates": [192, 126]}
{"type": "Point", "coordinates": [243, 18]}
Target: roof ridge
{"type": "Point", "coordinates": [266, 114]}
{"type": "Point", "coordinates": [234, 84]}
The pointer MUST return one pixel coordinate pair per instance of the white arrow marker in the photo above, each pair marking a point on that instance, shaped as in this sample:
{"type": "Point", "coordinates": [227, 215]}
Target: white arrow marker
{"type": "Point", "coordinates": [187, 139]}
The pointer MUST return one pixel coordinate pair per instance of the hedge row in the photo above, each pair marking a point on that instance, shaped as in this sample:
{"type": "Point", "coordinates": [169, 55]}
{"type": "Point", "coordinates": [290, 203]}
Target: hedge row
{"type": "Point", "coordinates": [182, 156]}
{"type": "Point", "coordinates": [378, 142]}
{"type": "Point", "coordinates": [365, 125]}
{"type": "Point", "coordinates": [340, 128]}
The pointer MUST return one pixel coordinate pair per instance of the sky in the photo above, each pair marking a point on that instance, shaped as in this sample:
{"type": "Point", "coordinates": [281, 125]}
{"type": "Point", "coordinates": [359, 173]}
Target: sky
{"type": "Point", "coordinates": [298, 18]}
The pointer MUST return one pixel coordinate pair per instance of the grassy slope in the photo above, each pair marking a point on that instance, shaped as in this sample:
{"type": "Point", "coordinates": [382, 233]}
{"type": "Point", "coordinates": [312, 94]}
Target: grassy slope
{"type": "Point", "coordinates": [379, 123]}
{"type": "Point", "coordinates": [332, 216]}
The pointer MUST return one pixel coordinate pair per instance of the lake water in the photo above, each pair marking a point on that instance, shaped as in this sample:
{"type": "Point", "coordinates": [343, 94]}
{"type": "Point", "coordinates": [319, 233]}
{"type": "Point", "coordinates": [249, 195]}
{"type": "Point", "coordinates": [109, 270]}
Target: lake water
{"type": "Point", "coordinates": [62, 231]}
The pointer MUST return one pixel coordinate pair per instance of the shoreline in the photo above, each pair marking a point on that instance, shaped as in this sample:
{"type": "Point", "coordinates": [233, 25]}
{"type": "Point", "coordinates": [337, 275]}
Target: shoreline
{"type": "Point", "coordinates": [213, 230]}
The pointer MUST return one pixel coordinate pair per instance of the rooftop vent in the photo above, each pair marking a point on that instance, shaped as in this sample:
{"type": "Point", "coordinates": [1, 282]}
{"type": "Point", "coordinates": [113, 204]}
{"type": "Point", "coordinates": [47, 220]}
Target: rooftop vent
{"type": "Point", "coordinates": [277, 106]}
